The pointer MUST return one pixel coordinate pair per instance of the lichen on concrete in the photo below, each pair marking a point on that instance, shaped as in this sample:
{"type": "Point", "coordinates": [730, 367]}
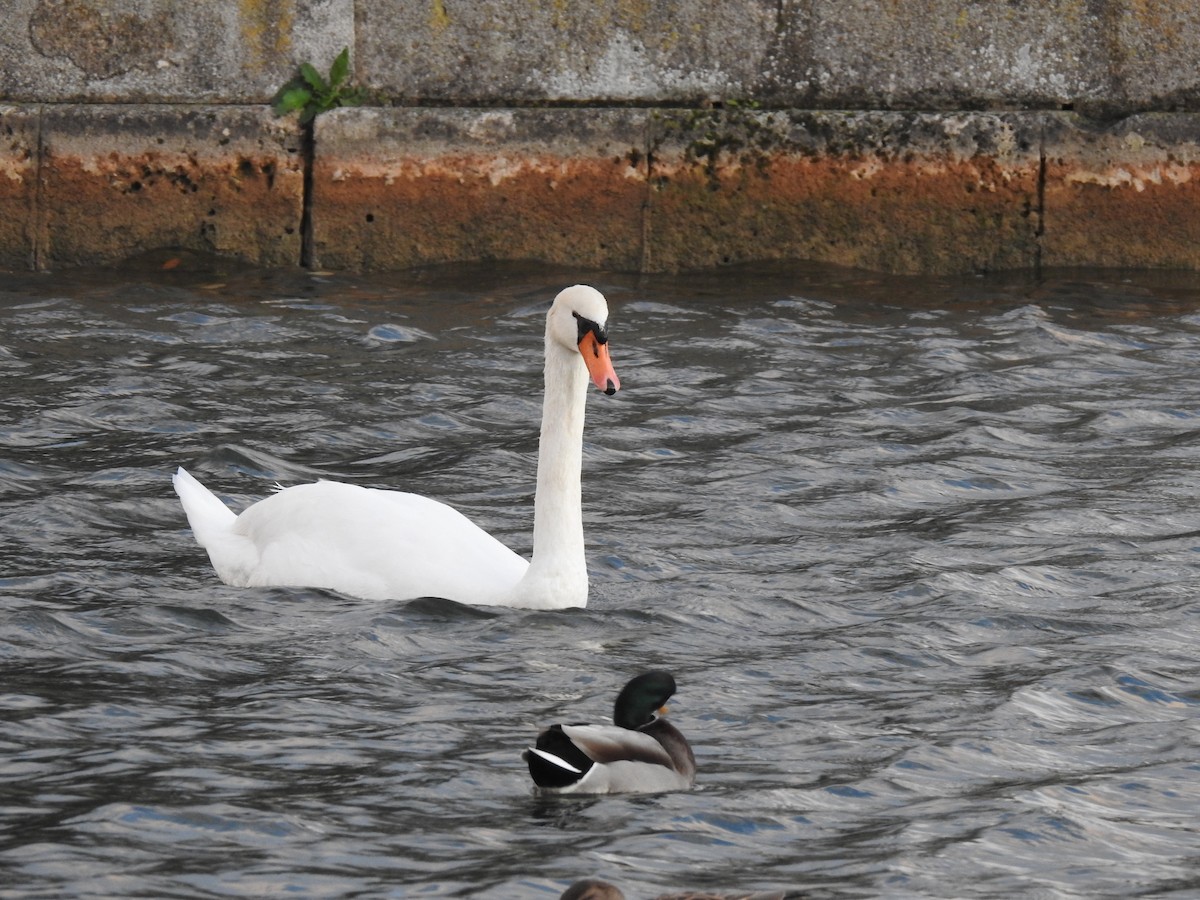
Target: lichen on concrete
{"type": "Point", "coordinates": [18, 186]}
{"type": "Point", "coordinates": [891, 191]}
{"type": "Point", "coordinates": [99, 40]}
{"type": "Point", "coordinates": [266, 27]}
{"type": "Point", "coordinates": [1125, 194]}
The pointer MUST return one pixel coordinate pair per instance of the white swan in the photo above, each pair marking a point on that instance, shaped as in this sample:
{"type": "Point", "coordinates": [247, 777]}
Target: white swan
{"type": "Point", "coordinates": [388, 545]}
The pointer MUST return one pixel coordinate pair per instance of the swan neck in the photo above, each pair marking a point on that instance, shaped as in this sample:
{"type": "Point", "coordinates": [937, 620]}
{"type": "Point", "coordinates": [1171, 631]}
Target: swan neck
{"type": "Point", "coordinates": [558, 568]}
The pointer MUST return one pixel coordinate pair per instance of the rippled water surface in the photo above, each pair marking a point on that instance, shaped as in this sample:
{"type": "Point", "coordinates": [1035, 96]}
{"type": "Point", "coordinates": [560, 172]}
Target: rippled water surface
{"type": "Point", "coordinates": [923, 557]}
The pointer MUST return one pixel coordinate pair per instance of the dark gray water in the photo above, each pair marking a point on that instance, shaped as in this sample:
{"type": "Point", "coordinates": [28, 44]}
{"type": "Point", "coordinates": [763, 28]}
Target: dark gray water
{"type": "Point", "coordinates": [923, 556]}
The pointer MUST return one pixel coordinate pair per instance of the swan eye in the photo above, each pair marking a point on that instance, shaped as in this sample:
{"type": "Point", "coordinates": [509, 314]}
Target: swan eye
{"type": "Point", "coordinates": [587, 326]}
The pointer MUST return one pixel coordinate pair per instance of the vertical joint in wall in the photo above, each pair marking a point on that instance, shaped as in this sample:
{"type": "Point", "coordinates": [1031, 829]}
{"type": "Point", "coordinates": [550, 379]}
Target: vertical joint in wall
{"type": "Point", "coordinates": [308, 154]}
{"type": "Point", "coordinates": [38, 239]}
{"type": "Point", "coordinates": [648, 156]}
{"type": "Point", "coordinates": [1040, 209]}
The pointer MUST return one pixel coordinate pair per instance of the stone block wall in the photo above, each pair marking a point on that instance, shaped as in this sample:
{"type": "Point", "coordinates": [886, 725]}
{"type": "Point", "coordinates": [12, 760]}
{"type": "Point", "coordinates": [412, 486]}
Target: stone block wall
{"type": "Point", "coordinates": [654, 135]}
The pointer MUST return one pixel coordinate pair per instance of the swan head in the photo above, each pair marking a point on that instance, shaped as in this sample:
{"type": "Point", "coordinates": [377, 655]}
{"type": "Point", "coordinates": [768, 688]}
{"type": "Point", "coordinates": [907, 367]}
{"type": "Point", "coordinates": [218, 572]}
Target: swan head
{"type": "Point", "coordinates": [578, 321]}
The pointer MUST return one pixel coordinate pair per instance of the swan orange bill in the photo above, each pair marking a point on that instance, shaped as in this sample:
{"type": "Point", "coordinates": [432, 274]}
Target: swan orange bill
{"type": "Point", "coordinates": [599, 365]}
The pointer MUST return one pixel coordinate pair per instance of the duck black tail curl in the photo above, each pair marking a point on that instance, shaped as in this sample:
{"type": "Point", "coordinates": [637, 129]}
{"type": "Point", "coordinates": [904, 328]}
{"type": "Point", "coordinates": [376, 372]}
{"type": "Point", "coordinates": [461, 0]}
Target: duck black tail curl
{"type": "Point", "coordinates": [555, 762]}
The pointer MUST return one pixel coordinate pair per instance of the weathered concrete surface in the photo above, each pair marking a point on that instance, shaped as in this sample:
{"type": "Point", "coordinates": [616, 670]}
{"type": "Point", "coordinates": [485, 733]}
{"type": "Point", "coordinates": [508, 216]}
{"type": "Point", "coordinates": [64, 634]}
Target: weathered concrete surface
{"type": "Point", "coordinates": [1154, 55]}
{"type": "Point", "coordinates": [114, 181]}
{"type": "Point", "coordinates": [520, 51]}
{"type": "Point", "coordinates": [163, 51]}
{"type": "Point", "coordinates": [897, 192]}
{"type": "Point", "coordinates": [18, 186]}
{"type": "Point", "coordinates": [628, 189]}
{"type": "Point", "coordinates": [826, 53]}
{"type": "Point", "coordinates": [404, 187]}
{"type": "Point", "coordinates": [625, 189]}
{"type": "Point", "coordinates": [1122, 55]}
{"type": "Point", "coordinates": [946, 54]}
{"type": "Point", "coordinates": [1123, 195]}
{"type": "Point", "coordinates": [653, 191]}
{"type": "Point", "coordinates": [631, 134]}
{"type": "Point", "coordinates": [833, 54]}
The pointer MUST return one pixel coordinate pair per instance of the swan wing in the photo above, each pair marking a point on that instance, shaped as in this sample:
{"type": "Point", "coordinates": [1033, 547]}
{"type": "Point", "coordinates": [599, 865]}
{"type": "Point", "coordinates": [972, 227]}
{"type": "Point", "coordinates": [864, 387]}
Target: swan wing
{"type": "Point", "coordinates": [373, 544]}
{"type": "Point", "coordinates": [385, 545]}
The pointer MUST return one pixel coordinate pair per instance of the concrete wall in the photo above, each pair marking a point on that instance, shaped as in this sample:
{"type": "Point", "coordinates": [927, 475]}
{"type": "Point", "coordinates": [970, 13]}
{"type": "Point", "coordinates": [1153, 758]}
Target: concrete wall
{"type": "Point", "coordinates": [833, 54]}
{"type": "Point", "coordinates": [901, 135]}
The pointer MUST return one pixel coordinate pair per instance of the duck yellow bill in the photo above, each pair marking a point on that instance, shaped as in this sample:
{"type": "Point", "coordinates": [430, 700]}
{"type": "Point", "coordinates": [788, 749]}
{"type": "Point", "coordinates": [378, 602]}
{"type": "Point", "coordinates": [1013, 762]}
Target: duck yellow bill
{"type": "Point", "coordinates": [599, 366]}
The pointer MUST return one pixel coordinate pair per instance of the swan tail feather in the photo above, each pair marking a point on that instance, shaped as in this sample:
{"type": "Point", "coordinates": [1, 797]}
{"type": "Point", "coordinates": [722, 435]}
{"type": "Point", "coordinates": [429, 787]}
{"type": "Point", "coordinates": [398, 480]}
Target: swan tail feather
{"type": "Point", "coordinates": [209, 517]}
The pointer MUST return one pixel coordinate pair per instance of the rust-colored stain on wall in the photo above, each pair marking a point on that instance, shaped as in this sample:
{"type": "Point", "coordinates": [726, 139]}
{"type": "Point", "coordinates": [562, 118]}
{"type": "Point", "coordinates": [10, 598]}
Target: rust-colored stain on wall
{"type": "Point", "coordinates": [18, 188]}
{"type": "Point", "coordinates": [696, 193]}
{"type": "Point", "coordinates": [892, 192]}
{"type": "Point", "coordinates": [583, 212]}
{"type": "Point", "coordinates": [1152, 226]}
{"type": "Point", "coordinates": [106, 208]}
{"type": "Point", "coordinates": [931, 215]}
{"type": "Point", "coordinates": [927, 215]}
{"type": "Point", "coordinates": [198, 178]}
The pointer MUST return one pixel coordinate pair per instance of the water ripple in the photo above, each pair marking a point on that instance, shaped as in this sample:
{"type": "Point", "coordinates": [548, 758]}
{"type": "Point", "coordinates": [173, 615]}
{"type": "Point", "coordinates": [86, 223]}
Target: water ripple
{"type": "Point", "coordinates": [922, 556]}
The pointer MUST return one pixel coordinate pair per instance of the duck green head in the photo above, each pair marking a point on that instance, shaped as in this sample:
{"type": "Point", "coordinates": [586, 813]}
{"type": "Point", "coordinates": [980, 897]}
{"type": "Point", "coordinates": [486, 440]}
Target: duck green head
{"type": "Point", "coordinates": [641, 698]}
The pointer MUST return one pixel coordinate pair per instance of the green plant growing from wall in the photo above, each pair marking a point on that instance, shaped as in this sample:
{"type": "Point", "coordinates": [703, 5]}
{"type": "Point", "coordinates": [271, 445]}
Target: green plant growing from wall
{"type": "Point", "coordinates": [311, 94]}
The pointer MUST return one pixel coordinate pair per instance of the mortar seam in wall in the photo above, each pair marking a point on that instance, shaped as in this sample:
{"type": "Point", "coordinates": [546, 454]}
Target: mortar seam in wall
{"type": "Point", "coordinates": [39, 195]}
{"type": "Point", "coordinates": [647, 155]}
{"type": "Point", "coordinates": [1040, 228]}
{"type": "Point", "coordinates": [308, 159]}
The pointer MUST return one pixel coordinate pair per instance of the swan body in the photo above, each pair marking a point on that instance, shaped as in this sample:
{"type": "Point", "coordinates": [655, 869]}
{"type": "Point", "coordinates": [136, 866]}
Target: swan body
{"type": "Point", "coordinates": [391, 545]}
{"type": "Point", "coordinates": [640, 753]}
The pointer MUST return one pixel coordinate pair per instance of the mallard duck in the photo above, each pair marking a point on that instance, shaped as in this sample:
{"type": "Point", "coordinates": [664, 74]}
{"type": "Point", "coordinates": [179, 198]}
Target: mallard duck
{"type": "Point", "coordinates": [639, 753]}
{"type": "Point", "coordinates": [388, 545]}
